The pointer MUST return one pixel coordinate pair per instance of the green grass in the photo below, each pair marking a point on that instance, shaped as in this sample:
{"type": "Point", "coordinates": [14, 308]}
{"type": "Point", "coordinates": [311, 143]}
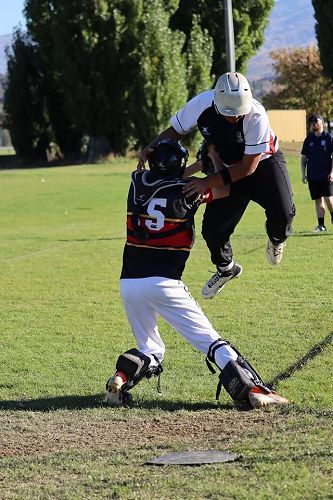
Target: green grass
{"type": "Point", "coordinates": [7, 151]}
{"type": "Point", "coordinates": [63, 327]}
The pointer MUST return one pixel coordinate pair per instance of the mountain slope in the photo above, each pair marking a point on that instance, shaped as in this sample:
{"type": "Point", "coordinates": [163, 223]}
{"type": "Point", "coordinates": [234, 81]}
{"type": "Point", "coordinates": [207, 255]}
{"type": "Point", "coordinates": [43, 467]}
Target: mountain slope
{"type": "Point", "coordinates": [291, 24]}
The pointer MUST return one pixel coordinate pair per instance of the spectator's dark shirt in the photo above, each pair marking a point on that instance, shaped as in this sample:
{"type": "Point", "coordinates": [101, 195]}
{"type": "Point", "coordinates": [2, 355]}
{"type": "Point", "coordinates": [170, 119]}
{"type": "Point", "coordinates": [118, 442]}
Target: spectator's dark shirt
{"type": "Point", "coordinates": [318, 150]}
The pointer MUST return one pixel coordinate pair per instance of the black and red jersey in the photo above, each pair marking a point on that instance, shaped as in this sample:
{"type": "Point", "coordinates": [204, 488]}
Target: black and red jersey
{"type": "Point", "coordinates": [160, 227]}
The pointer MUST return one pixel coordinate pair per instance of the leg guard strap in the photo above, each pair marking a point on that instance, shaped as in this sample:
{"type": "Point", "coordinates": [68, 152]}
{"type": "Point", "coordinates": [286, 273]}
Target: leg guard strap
{"type": "Point", "coordinates": [210, 358]}
{"type": "Point", "coordinates": [237, 377]}
{"type": "Point", "coordinates": [136, 365]}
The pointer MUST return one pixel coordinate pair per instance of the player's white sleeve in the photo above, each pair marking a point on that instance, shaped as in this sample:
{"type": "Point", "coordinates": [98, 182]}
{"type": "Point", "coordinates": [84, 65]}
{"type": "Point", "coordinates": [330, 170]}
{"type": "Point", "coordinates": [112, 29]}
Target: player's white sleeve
{"type": "Point", "coordinates": [257, 132]}
{"type": "Point", "coordinates": [185, 120]}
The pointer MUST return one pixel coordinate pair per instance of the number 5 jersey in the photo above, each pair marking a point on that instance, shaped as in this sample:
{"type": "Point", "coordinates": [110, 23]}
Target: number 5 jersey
{"type": "Point", "coordinates": [160, 227]}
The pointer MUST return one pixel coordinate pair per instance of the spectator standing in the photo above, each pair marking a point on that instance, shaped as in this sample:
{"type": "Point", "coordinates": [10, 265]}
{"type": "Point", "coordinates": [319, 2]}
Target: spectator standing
{"type": "Point", "coordinates": [317, 168]}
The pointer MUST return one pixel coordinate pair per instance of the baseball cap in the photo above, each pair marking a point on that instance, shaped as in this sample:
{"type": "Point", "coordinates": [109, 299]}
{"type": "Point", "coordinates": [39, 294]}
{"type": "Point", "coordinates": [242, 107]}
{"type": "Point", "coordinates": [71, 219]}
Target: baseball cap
{"type": "Point", "coordinates": [315, 117]}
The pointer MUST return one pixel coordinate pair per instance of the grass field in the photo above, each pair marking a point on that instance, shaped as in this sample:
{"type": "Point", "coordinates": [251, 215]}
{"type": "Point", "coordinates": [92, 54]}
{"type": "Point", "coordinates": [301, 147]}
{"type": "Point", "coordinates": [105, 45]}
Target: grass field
{"type": "Point", "coordinates": [63, 327]}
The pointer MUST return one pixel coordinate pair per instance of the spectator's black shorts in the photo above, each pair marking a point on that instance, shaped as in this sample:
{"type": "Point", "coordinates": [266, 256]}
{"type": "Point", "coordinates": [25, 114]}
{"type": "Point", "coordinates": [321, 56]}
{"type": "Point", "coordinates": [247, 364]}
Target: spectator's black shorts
{"type": "Point", "coordinates": [320, 188]}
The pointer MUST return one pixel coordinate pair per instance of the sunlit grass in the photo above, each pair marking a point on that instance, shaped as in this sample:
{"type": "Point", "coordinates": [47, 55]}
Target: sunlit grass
{"type": "Point", "coordinates": [63, 327]}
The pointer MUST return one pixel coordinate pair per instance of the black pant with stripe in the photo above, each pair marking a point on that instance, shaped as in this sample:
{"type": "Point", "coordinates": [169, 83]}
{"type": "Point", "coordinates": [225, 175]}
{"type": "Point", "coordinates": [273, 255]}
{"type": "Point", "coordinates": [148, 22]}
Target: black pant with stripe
{"type": "Point", "coordinates": [270, 187]}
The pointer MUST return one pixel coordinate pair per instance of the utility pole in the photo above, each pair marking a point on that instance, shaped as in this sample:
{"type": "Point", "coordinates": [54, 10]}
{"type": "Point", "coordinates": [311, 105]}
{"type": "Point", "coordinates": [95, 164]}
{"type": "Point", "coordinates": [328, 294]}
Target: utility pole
{"type": "Point", "coordinates": [229, 35]}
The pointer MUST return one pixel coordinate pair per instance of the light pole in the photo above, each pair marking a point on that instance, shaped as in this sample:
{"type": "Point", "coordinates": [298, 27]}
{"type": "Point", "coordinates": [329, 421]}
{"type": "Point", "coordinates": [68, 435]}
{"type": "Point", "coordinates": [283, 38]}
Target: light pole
{"type": "Point", "coordinates": [229, 35]}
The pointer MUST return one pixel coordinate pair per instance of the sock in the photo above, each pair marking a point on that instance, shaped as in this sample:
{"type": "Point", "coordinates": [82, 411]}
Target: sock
{"type": "Point", "coordinates": [321, 221]}
{"type": "Point", "coordinates": [222, 269]}
{"type": "Point", "coordinates": [258, 390]}
{"type": "Point", "coordinates": [223, 355]}
{"type": "Point", "coordinates": [122, 376]}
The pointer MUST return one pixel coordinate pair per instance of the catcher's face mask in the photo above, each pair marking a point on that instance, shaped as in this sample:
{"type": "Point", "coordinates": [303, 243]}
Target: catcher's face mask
{"type": "Point", "coordinates": [168, 159]}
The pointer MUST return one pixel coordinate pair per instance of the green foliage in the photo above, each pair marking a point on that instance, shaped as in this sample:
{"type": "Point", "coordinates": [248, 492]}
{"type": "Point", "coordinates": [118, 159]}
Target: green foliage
{"type": "Point", "coordinates": [82, 61]}
{"type": "Point", "coordinates": [114, 71]}
{"type": "Point", "coordinates": [199, 48]}
{"type": "Point", "coordinates": [63, 326]}
{"type": "Point", "coordinates": [199, 58]}
{"type": "Point", "coordinates": [250, 20]}
{"type": "Point", "coordinates": [160, 84]}
{"type": "Point", "coordinates": [324, 30]}
{"type": "Point", "coordinates": [24, 101]}
{"type": "Point", "coordinates": [39, 15]}
{"type": "Point", "coordinates": [300, 82]}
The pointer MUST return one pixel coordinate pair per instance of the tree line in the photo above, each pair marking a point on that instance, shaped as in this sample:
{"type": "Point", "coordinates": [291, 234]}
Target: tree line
{"type": "Point", "coordinates": [106, 75]}
{"type": "Point", "coordinates": [110, 73]}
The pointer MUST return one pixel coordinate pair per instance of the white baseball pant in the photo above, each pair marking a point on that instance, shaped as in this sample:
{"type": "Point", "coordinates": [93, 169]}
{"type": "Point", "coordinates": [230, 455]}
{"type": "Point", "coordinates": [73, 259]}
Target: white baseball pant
{"type": "Point", "coordinates": [145, 299]}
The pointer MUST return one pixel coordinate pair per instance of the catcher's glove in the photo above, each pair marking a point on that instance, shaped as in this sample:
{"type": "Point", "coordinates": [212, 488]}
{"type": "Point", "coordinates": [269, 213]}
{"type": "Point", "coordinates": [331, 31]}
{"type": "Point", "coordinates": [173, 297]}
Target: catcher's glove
{"type": "Point", "coordinates": [202, 155]}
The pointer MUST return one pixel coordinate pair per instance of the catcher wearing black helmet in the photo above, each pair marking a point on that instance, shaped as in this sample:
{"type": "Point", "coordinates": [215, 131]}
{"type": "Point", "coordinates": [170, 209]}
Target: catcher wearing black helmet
{"type": "Point", "coordinates": [160, 235]}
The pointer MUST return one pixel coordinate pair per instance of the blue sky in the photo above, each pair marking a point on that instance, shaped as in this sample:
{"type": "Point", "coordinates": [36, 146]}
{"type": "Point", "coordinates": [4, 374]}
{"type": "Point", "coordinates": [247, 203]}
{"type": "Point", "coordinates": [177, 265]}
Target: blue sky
{"type": "Point", "coordinates": [10, 15]}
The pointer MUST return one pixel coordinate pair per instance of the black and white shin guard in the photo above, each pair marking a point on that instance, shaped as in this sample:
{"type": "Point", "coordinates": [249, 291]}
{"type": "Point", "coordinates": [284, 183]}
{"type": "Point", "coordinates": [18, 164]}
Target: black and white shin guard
{"type": "Point", "coordinates": [136, 366]}
{"type": "Point", "coordinates": [237, 376]}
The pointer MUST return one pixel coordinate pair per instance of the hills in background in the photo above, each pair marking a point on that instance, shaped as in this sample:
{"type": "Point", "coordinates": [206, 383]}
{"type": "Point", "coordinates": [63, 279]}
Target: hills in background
{"type": "Point", "coordinates": [291, 24]}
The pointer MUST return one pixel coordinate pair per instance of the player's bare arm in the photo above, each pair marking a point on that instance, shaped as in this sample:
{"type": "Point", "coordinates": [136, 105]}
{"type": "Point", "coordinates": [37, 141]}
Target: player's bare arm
{"type": "Point", "coordinates": [193, 169]}
{"type": "Point", "coordinates": [330, 175]}
{"type": "Point", "coordinates": [218, 180]}
{"type": "Point", "coordinates": [169, 133]}
{"type": "Point", "coordinates": [303, 169]}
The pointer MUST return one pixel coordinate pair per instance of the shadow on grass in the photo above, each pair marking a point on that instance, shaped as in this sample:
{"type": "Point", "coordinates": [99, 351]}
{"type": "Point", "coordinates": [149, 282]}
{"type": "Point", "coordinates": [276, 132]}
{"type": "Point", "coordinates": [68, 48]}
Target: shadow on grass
{"type": "Point", "coordinates": [90, 239]}
{"type": "Point", "coordinates": [54, 403]}
{"type": "Point", "coordinates": [96, 401]}
{"type": "Point", "coordinates": [298, 365]}
{"type": "Point", "coordinates": [309, 234]}
{"type": "Point", "coordinates": [300, 234]}
{"type": "Point", "coordinates": [75, 402]}
{"type": "Point", "coordinates": [15, 162]}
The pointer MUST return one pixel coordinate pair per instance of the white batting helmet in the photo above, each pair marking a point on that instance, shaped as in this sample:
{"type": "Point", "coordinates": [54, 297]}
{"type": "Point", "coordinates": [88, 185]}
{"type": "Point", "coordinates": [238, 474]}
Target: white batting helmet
{"type": "Point", "coordinates": [232, 95]}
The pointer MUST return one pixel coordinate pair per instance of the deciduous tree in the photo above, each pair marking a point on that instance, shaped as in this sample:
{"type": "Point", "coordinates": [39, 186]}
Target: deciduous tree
{"type": "Point", "coordinates": [300, 82]}
{"type": "Point", "coordinates": [115, 70]}
{"type": "Point", "coordinates": [250, 20]}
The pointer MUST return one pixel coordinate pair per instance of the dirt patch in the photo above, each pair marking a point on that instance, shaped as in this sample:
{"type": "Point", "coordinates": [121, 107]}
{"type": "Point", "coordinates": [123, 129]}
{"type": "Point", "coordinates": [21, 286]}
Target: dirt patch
{"type": "Point", "coordinates": [32, 433]}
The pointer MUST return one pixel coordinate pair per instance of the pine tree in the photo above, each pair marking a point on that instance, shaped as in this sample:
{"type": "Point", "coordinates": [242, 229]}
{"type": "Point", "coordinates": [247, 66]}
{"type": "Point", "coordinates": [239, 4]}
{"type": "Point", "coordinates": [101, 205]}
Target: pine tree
{"type": "Point", "coordinates": [26, 116]}
{"type": "Point", "coordinates": [324, 30]}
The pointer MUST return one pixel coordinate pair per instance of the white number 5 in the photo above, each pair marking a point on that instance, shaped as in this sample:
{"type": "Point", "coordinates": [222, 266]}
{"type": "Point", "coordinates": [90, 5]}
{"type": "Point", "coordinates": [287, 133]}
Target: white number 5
{"type": "Point", "coordinates": [156, 225]}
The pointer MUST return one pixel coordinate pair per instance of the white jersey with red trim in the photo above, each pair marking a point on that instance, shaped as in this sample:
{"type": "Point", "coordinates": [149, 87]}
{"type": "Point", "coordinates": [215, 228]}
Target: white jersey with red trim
{"type": "Point", "coordinates": [251, 134]}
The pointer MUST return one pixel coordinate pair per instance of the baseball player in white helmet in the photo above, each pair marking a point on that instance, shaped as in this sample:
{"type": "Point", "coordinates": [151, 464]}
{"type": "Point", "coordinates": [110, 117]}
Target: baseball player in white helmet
{"type": "Point", "coordinates": [249, 167]}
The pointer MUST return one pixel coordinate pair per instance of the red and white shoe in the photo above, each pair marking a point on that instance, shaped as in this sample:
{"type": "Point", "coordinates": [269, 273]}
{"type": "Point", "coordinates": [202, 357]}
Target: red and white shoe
{"type": "Point", "coordinates": [113, 396]}
{"type": "Point", "coordinates": [260, 398]}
